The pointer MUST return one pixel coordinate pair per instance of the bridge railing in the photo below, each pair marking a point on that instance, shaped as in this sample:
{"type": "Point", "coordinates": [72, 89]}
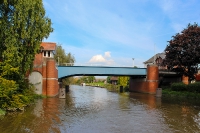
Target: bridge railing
{"type": "Point", "coordinates": [91, 64]}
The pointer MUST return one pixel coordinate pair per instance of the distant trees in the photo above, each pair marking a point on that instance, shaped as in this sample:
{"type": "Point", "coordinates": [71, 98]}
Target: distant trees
{"type": "Point", "coordinates": [183, 51]}
{"type": "Point", "coordinates": [86, 79]}
{"type": "Point", "coordinates": [91, 79]}
{"type": "Point", "coordinates": [108, 79]}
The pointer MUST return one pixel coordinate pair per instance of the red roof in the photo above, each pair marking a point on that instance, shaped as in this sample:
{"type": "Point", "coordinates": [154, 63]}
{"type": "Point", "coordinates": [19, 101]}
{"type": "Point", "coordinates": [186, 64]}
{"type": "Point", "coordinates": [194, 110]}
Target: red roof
{"type": "Point", "coordinates": [48, 45]}
{"type": "Point", "coordinates": [114, 78]}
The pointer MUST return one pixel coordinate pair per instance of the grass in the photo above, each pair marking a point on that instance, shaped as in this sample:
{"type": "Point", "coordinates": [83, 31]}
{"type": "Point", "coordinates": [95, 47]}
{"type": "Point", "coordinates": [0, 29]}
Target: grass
{"type": "Point", "coordinates": [2, 112]}
{"type": "Point", "coordinates": [180, 94]}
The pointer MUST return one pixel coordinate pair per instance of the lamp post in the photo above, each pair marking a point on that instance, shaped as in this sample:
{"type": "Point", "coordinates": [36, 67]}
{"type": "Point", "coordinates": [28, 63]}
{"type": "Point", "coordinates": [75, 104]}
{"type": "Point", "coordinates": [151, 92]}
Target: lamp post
{"type": "Point", "coordinates": [133, 62]}
{"type": "Point", "coordinates": [58, 61]}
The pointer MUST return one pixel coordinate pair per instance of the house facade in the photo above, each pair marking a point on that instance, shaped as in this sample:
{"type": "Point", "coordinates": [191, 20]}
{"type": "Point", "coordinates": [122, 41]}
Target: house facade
{"type": "Point", "coordinates": [156, 60]}
{"type": "Point", "coordinates": [113, 80]}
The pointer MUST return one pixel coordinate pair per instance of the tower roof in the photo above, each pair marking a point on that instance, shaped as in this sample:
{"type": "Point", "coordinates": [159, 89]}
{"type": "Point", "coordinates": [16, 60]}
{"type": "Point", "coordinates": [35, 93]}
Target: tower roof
{"type": "Point", "coordinates": [48, 45]}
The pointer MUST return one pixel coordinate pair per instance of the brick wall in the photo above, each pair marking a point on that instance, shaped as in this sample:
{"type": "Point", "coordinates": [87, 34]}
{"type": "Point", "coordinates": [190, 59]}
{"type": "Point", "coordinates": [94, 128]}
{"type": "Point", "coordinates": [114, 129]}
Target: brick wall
{"type": "Point", "coordinates": [146, 85]}
{"type": "Point", "coordinates": [52, 77]}
{"type": "Point", "coordinates": [47, 67]}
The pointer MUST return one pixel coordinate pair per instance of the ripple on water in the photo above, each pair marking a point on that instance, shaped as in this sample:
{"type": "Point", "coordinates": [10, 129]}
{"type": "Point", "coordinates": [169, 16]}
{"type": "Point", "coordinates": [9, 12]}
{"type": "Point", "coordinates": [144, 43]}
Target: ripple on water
{"type": "Point", "coordinates": [88, 110]}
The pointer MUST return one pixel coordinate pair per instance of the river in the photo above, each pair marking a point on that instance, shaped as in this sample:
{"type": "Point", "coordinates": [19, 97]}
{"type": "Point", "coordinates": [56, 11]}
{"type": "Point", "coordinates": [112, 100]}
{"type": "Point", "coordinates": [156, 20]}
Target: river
{"type": "Point", "coordinates": [96, 110]}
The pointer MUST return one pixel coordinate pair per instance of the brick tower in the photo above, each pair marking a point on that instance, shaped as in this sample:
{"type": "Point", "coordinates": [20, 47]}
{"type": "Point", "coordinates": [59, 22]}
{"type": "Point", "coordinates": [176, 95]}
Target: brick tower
{"type": "Point", "coordinates": [45, 74]}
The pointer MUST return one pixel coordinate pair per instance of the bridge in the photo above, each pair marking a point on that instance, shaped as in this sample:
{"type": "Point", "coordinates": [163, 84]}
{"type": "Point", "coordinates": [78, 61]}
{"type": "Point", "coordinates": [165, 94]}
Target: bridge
{"type": "Point", "coordinates": [142, 79]}
{"type": "Point", "coordinates": [46, 73]}
{"type": "Point", "coordinates": [67, 71]}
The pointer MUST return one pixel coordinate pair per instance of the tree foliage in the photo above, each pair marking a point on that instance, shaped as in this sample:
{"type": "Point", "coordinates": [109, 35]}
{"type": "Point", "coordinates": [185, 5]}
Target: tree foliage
{"type": "Point", "coordinates": [108, 79]}
{"type": "Point", "coordinates": [23, 26]}
{"type": "Point", "coordinates": [62, 58]}
{"type": "Point", "coordinates": [183, 51]}
{"type": "Point", "coordinates": [123, 80]}
{"type": "Point", "coordinates": [86, 79]}
{"type": "Point", "coordinates": [91, 79]}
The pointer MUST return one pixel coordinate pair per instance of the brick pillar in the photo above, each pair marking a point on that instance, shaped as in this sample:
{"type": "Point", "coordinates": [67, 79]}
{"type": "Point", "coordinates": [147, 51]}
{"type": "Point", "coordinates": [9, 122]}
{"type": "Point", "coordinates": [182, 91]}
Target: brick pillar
{"type": "Point", "coordinates": [152, 78]}
{"type": "Point", "coordinates": [52, 78]}
{"type": "Point", "coordinates": [185, 80]}
{"type": "Point", "coordinates": [44, 75]}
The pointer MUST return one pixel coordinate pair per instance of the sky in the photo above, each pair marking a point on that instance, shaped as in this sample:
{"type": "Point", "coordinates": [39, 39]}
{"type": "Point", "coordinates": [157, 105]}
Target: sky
{"type": "Point", "coordinates": [113, 32]}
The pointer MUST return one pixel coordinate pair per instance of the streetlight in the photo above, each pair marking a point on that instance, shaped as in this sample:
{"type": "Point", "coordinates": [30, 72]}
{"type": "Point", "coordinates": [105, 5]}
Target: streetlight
{"type": "Point", "coordinates": [58, 61]}
{"type": "Point", "coordinates": [133, 62]}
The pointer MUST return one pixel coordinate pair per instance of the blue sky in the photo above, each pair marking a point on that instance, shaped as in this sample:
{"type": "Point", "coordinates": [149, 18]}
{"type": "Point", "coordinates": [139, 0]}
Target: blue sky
{"type": "Point", "coordinates": [112, 32]}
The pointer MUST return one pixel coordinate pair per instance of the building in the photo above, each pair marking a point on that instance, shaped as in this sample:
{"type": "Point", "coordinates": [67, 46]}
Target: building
{"type": "Point", "coordinates": [157, 60]}
{"type": "Point", "coordinates": [113, 80]}
{"type": "Point", "coordinates": [45, 74]}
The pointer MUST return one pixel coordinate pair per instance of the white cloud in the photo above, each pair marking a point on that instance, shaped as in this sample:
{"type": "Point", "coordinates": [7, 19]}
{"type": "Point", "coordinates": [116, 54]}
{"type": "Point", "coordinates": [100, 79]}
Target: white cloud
{"type": "Point", "coordinates": [107, 54]}
{"type": "Point", "coordinates": [103, 60]}
{"type": "Point", "coordinates": [97, 59]}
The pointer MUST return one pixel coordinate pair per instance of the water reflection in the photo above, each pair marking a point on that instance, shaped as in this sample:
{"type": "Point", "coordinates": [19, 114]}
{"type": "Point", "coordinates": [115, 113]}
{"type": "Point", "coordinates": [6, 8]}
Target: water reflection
{"type": "Point", "coordinates": [150, 100]}
{"type": "Point", "coordinates": [91, 109]}
{"type": "Point", "coordinates": [39, 118]}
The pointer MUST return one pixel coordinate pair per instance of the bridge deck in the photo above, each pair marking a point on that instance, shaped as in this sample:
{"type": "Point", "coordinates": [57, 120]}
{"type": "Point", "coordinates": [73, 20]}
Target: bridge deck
{"type": "Point", "coordinates": [67, 71]}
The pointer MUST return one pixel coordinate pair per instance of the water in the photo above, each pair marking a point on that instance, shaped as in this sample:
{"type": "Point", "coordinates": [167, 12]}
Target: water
{"type": "Point", "coordinates": [95, 110]}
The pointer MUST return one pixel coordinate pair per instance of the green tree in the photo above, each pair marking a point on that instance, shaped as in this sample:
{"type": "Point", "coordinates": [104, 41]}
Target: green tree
{"type": "Point", "coordinates": [123, 80]}
{"type": "Point", "coordinates": [108, 79]}
{"type": "Point", "coordinates": [91, 79]}
{"type": "Point", "coordinates": [64, 59]}
{"type": "Point", "coordinates": [183, 51]}
{"type": "Point", "coordinates": [23, 26]}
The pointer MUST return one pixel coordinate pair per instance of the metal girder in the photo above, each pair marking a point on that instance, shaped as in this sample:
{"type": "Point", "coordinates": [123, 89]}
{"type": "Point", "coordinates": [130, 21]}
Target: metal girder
{"type": "Point", "coordinates": [67, 71]}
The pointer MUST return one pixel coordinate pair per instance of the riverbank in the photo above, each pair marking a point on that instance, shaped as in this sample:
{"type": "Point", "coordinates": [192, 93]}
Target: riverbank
{"type": "Point", "coordinates": [32, 101]}
{"type": "Point", "coordinates": [166, 91]}
{"type": "Point", "coordinates": [180, 90]}
{"type": "Point", "coordinates": [180, 94]}
{"type": "Point", "coordinates": [109, 87]}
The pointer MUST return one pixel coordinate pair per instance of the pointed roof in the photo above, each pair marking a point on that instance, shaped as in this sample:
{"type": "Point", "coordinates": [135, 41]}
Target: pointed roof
{"type": "Point", "coordinates": [48, 46]}
{"type": "Point", "coordinates": [151, 60]}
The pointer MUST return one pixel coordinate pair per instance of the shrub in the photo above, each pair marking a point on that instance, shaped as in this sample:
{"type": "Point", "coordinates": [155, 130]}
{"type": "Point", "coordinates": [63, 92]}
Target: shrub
{"type": "Point", "coordinates": [2, 112]}
{"type": "Point", "coordinates": [12, 97]}
{"type": "Point", "coordinates": [178, 87]}
{"type": "Point", "coordinates": [126, 88]}
{"type": "Point", "coordinates": [195, 87]}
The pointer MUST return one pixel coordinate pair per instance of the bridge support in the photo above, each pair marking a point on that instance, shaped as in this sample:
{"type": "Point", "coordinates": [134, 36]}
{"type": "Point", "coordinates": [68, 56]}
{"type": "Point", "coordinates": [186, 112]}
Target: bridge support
{"type": "Point", "coordinates": [148, 84]}
{"type": "Point", "coordinates": [52, 78]}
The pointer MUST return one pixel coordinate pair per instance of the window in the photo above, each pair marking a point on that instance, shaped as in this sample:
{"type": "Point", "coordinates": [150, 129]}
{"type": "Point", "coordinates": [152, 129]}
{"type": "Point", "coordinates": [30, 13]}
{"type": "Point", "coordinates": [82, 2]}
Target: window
{"type": "Point", "coordinates": [49, 54]}
{"type": "Point", "coordinates": [44, 53]}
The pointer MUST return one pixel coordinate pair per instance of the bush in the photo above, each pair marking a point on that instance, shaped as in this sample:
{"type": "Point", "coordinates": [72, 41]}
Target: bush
{"type": "Point", "coordinates": [12, 97]}
{"type": "Point", "coordinates": [126, 88]}
{"type": "Point", "coordinates": [178, 87]}
{"type": "Point", "coordinates": [195, 87]}
{"type": "Point", "coordinates": [2, 112]}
